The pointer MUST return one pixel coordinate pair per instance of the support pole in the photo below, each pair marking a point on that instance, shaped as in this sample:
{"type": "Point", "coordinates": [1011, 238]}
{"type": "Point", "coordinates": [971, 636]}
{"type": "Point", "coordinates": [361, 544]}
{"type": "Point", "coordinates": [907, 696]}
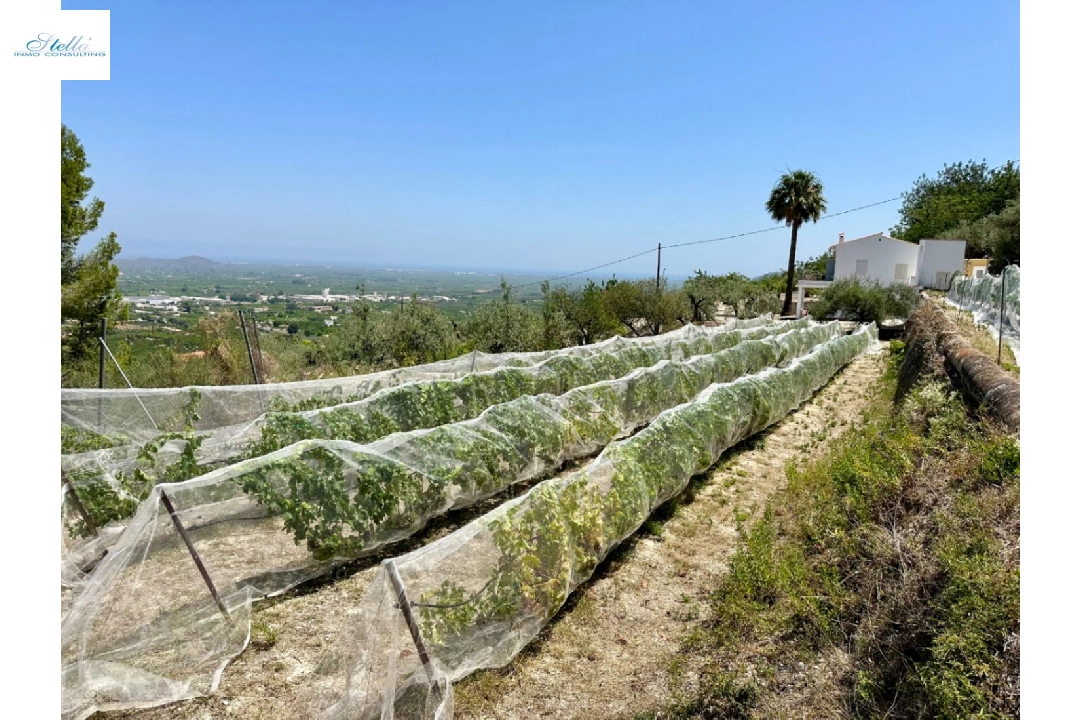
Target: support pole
{"type": "Point", "coordinates": [658, 281]}
{"type": "Point", "coordinates": [191, 549]}
{"type": "Point", "coordinates": [78, 504]}
{"type": "Point", "coordinates": [101, 356]}
{"type": "Point", "coordinates": [101, 378]}
{"type": "Point", "coordinates": [411, 622]}
{"type": "Point", "coordinates": [258, 350]}
{"type": "Point", "coordinates": [248, 344]}
{"type": "Point", "coordinates": [1002, 297]}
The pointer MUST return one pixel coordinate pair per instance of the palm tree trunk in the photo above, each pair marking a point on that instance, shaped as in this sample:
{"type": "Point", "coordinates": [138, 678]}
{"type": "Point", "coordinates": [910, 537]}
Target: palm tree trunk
{"type": "Point", "coordinates": [785, 309]}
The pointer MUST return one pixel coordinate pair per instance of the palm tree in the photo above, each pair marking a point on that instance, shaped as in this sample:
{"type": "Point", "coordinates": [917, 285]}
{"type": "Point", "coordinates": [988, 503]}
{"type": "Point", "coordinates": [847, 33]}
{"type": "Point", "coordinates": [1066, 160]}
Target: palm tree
{"type": "Point", "coordinates": [797, 197]}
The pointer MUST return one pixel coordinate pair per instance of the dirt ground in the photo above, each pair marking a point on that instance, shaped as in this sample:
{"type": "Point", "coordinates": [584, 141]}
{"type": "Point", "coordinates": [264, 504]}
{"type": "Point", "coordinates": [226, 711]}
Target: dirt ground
{"type": "Point", "coordinates": [607, 654]}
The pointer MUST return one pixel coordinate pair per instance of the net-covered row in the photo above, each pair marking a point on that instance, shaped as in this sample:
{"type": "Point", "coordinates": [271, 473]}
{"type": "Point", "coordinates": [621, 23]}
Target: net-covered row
{"type": "Point", "coordinates": [480, 594]}
{"type": "Point", "coordinates": [409, 406]}
{"type": "Point", "coordinates": [145, 628]}
{"type": "Point", "coordinates": [94, 418]}
{"type": "Point", "coordinates": [110, 483]}
{"type": "Point", "coordinates": [985, 295]}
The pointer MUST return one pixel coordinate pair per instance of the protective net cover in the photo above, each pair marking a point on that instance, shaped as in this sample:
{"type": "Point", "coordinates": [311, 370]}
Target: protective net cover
{"type": "Point", "coordinates": [477, 596]}
{"type": "Point", "coordinates": [103, 487]}
{"type": "Point", "coordinates": [145, 628]}
{"type": "Point", "coordinates": [984, 296]}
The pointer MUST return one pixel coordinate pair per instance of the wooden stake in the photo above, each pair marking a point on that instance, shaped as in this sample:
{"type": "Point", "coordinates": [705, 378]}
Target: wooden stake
{"type": "Point", "coordinates": [78, 505]}
{"type": "Point", "coordinates": [258, 350]}
{"type": "Point", "coordinates": [411, 622]}
{"type": "Point", "coordinates": [248, 344]}
{"type": "Point", "coordinates": [191, 549]}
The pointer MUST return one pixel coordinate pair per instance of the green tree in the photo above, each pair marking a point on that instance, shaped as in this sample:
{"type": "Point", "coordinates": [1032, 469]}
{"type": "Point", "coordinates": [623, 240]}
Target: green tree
{"type": "Point", "coordinates": [92, 294]}
{"type": "Point", "coordinates": [703, 293]}
{"type": "Point", "coordinates": [641, 306]}
{"type": "Point", "coordinates": [1006, 238]}
{"type": "Point", "coordinates": [732, 289]}
{"type": "Point", "coordinates": [504, 326]}
{"type": "Point", "coordinates": [415, 333]}
{"type": "Point", "coordinates": [556, 329]}
{"type": "Point", "coordinates": [961, 193]}
{"type": "Point", "coordinates": [76, 218]}
{"type": "Point", "coordinates": [796, 198]}
{"type": "Point", "coordinates": [585, 310]}
{"type": "Point", "coordinates": [88, 284]}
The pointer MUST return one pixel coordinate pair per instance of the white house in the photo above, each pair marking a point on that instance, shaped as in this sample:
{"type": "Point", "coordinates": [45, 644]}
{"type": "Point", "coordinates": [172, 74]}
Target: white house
{"type": "Point", "coordinates": [886, 260]}
{"type": "Point", "coordinates": [938, 260]}
{"type": "Point", "coordinates": [876, 257]}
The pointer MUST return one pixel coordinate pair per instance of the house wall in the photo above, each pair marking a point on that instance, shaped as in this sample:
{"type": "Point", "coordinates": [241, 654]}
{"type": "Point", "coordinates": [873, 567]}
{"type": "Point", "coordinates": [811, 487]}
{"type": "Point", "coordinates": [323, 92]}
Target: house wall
{"type": "Point", "coordinates": [883, 255]}
{"type": "Point", "coordinates": [939, 256]}
{"type": "Point", "coordinates": [972, 265]}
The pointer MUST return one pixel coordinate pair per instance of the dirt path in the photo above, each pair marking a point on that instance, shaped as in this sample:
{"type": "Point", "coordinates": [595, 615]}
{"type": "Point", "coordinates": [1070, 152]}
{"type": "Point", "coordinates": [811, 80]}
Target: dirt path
{"type": "Point", "coordinates": [609, 655]}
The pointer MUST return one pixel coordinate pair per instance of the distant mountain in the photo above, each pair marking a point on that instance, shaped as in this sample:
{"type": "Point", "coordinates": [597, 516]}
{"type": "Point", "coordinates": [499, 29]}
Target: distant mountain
{"type": "Point", "coordinates": [184, 264]}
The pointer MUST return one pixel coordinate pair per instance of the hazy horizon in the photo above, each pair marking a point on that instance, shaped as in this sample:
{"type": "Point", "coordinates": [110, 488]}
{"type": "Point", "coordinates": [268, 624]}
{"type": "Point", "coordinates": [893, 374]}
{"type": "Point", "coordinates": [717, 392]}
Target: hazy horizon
{"type": "Point", "coordinates": [562, 136]}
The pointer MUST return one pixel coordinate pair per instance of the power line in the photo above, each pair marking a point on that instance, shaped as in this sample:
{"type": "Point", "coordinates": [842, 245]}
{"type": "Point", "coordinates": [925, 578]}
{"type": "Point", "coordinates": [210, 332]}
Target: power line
{"type": "Point", "coordinates": [580, 272]}
{"type": "Point", "coordinates": [728, 237]}
{"type": "Point", "coordinates": [696, 242]}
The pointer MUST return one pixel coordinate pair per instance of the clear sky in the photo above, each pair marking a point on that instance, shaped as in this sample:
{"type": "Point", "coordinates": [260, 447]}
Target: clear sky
{"type": "Point", "coordinates": [545, 136]}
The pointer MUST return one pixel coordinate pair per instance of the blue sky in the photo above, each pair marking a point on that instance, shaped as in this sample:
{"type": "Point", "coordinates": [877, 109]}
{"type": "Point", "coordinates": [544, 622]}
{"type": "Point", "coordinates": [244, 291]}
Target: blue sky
{"type": "Point", "coordinates": [545, 136]}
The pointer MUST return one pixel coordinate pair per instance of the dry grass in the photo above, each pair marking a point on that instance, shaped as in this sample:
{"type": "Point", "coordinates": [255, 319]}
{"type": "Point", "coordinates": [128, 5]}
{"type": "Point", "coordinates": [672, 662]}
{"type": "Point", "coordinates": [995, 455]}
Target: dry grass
{"type": "Point", "coordinates": [980, 337]}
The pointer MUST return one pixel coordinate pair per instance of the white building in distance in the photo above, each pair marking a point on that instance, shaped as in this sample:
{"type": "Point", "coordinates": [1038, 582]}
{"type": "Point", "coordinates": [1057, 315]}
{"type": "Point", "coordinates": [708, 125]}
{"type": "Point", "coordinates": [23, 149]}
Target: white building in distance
{"type": "Point", "coordinates": [886, 260]}
{"type": "Point", "coordinates": [938, 260]}
{"type": "Point", "coordinates": [876, 257]}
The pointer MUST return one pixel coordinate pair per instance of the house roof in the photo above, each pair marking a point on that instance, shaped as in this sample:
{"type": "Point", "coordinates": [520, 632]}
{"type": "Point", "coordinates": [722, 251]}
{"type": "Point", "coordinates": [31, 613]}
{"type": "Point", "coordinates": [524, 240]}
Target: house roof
{"type": "Point", "coordinates": [879, 236]}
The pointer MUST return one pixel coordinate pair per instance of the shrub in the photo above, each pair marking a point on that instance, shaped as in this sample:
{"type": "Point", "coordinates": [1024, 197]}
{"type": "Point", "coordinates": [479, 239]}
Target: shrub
{"type": "Point", "coordinates": [855, 299]}
{"type": "Point", "coordinates": [504, 326]}
{"type": "Point", "coordinates": [412, 334]}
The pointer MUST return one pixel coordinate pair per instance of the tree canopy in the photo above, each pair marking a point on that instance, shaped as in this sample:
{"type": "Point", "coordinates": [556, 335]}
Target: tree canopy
{"type": "Point", "coordinates": [76, 218]}
{"type": "Point", "coordinates": [88, 284]}
{"type": "Point", "coordinates": [961, 193]}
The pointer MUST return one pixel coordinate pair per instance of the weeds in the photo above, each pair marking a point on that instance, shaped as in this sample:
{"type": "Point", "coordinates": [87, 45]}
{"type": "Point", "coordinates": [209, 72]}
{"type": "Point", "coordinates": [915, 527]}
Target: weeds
{"type": "Point", "coordinates": [898, 550]}
{"type": "Point", "coordinates": [264, 635]}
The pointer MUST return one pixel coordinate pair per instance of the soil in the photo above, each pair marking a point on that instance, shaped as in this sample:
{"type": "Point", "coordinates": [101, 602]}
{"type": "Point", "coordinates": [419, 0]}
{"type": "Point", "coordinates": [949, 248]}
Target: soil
{"type": "Point", "coordinates": [607, 654]}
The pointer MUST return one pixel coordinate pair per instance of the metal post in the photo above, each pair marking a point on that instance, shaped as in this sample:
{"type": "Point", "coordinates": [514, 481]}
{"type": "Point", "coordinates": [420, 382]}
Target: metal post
{"type": "Point", "coordinates": [191, 549]}
{"type": "Point", "coordinates": [258, 350]}
{"type": "Point", "coordinates": [101, 377]}
{"type": "Point", "coordinates": [1002, 296]}
{"type": "Point", "coordinates": [411, 622]}
{"type": "Point", "coordinates": [101, 356]}
{"type": "Point", "coordinates": [248, 344]}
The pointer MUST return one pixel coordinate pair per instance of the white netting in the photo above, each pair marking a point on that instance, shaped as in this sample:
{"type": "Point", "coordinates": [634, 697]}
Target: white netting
{"type": "Point", "coordinates": [477, 596]}
{"type": "Point", "coordinates": [145, 630]}
{"type": "Point", "coordinates": [985, 295]}
{"type": "Point", "coordinates": [109, 483]}
{"type": "Point", "coordinates": [119, 416]}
